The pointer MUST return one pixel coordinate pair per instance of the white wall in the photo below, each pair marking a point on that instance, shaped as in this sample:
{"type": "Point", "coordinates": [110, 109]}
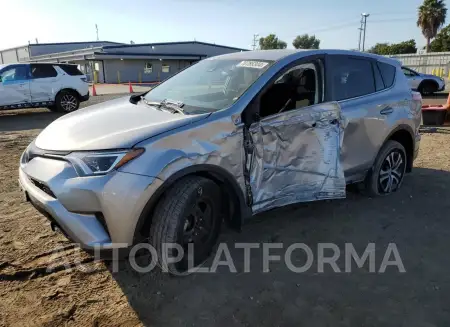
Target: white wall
{"type": "Point", "coordinates": [426, 63]}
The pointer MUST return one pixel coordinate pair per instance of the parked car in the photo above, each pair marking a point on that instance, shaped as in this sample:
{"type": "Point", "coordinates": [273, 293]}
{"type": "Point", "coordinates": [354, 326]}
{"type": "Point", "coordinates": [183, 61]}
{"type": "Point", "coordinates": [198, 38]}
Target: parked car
{"type": "Point", "coordinates": [59, 87]}
{"type": "Point", "coordinates": [282, 126]}
{"type": "Point", "coordinates": [426, 84]}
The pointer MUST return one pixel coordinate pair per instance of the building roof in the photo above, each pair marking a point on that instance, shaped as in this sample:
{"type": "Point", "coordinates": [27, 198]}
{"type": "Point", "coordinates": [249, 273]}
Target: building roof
{"type": "Point", "coordinates": [118, 53]}
{"type": "Point", "coordinates": [171, 43]}
{"type": "Point", "coordinates": [62, 43]}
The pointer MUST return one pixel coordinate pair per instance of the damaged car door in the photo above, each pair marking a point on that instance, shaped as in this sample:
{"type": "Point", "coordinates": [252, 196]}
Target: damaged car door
{"type": "Point", "coordinates": [293, 151]}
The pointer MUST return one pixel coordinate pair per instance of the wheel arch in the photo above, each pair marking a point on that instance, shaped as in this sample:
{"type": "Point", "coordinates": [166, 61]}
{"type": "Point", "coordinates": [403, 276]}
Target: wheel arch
{"type": "Point", "coordinates": [405, 136]}
{"type": "Point", "coordinates": [70, 90]}
{"type": "Point", "coordinates": [235, 205]}
{"type": "Point", "coordinates": [430, 81]}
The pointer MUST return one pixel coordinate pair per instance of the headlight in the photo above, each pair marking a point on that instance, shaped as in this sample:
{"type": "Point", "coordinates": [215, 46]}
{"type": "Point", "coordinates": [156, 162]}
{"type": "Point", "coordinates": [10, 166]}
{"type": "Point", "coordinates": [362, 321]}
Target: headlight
{"type": "Point", "coordinates": [98, 163]}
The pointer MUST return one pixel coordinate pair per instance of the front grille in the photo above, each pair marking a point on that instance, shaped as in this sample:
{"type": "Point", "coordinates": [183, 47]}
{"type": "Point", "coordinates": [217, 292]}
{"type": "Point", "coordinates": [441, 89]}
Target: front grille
{"type": "Point", "coordinates": [43, 187]}
{"type": "Point", "coordinates": [33, 151]}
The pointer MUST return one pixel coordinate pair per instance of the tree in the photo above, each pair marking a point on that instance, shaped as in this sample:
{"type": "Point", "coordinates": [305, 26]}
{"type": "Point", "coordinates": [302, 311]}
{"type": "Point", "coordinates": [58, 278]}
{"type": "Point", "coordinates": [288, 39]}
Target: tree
{"type": "Point", "coordinates": [404, 47]}
{"type": "Point", "coordinates": [306, 42]}
{"type": "Point", "coordinates": [394, 49]}
{"type": "Point", "coordinates": [432, 14]}
{"type": "Point", "coordinates": [271, 41]}
{"type": "Point", "coordinates": [380, 49]}
{"type": "Point", "coordinates": [442, 40]}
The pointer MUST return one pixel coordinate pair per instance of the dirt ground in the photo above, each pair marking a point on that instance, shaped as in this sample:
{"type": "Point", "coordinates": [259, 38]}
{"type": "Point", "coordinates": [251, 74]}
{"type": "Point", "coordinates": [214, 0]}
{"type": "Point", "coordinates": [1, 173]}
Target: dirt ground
{"type": "Point", "coordinates": [416, 219]}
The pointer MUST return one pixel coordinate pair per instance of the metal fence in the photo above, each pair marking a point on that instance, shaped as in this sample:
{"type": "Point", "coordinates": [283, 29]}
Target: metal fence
{"type": "Point", "coordinates": [429, 63]}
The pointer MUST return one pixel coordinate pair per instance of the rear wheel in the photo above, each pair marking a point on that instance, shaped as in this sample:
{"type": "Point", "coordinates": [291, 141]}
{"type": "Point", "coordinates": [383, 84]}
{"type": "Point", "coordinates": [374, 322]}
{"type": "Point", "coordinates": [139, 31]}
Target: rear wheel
{"type": "Point", "coordinates": [67, 101]}
{"type": "Point", "coordinates": [188, 215]}
{"type": "Point", "coordinates": [427, 88]}
{"type": "Point", "coordinates": [388, 170]}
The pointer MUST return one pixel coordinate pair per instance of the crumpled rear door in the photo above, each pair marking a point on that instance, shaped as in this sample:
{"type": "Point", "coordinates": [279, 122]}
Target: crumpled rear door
{"type": "Point", "coordinates": [296, 157]}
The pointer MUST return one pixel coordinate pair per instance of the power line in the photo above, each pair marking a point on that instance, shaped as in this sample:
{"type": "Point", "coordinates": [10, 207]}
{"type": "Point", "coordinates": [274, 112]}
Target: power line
{"type": "Point", "coordinates": [391, 20]}
{"type": "Point", "coordinates": [332, 27]}
{"type": "Point", "coordinates": [354, 23]}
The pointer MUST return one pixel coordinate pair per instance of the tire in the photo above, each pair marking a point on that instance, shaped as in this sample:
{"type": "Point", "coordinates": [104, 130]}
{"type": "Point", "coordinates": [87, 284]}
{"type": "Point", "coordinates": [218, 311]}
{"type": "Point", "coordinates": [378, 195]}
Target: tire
{"type": "Point", "coordinates": [427, 88]}
{"type": "Point", "coordinates": [377, 183]}
{"type": "Point", "coordinates": [67, 101]}
{"type": "Point", "coordinates": [182, 217]}
{"type": "Point", "coordinates": [52, 108]}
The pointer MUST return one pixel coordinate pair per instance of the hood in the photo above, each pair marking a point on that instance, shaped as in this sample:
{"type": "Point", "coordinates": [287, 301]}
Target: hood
{"type": "Point", "coordinates": [110, 125]}
{"type": "Point", "coordinates": [430, 76]}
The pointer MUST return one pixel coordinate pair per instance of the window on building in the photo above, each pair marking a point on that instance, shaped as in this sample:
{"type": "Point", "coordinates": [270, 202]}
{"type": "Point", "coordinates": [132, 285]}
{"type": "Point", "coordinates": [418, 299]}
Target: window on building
{"type": "Point", "coordinates": [165, 68]}
{"type": "Point", "coordinates": [43, 71]}
{"type": "Point", "coordinates": [351, 77]}
{"type": "Point", "coordinates": [148, 68]}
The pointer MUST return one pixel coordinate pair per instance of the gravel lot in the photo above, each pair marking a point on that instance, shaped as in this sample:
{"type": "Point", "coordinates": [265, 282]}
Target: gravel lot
{"type": "Point", "coordinates": [416, 219]}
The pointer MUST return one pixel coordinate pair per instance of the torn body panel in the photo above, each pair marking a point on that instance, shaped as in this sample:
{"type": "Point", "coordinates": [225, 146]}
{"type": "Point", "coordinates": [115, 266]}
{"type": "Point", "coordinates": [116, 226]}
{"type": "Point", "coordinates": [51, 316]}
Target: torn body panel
{"type": "Point", "coordinates": [214, 142]}
{"type": "Point", "coordinates": [296, 157]}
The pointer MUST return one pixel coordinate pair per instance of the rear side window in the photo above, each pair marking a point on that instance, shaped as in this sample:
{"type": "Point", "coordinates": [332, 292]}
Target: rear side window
{"type": "Point", "coordinates": [71, 70]}
{"type": "Point", "coordinates": [43, 71]}
{"type": "Point", "coordinates": [387, 73]}
{"type": "Point", "coordinates": [379, 84]}
{"type": "Point", "coordinates": [351, 77]}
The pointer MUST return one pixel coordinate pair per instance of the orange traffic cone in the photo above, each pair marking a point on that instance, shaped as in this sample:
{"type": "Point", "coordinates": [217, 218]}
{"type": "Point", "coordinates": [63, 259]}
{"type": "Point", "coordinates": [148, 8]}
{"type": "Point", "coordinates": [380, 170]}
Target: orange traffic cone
{"type": "Point", "coordinates": [94, 92]}
{"type": "Point", "coordinates": [131, 88]}
{"type": "Point", "coordinates": [447, 105]}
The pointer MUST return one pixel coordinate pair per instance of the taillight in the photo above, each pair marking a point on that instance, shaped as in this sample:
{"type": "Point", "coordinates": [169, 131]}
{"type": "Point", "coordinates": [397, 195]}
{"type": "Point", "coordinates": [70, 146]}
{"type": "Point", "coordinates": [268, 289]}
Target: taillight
{"type": "Point", "coordinates": [84, 79]}
{"type": "Point", "coordinates": [416, 96]}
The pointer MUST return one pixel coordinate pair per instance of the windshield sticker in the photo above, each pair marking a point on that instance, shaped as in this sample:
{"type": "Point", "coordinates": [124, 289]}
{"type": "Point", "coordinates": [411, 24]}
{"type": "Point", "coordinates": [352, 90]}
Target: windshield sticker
{"type": "Point", "coordinates": [252, 64]}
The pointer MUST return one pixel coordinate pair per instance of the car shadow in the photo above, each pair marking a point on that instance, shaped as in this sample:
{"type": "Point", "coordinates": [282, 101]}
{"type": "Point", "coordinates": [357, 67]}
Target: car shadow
{"type": "Point", "coordinates": [435, 129]}
{"type": "Point", "coordinates": [26, 120]}
{"type": "Point", "coordinates": [415, 219]}
{"type": "Point", "coordinates": [439, 95]}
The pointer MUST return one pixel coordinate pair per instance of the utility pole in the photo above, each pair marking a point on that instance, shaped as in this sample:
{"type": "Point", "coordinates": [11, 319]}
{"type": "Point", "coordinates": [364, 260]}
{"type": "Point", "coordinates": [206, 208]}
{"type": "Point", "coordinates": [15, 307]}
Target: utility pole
{"type": "Point", "coordinates": [255, 41]}
{"type": "Point", "coordinates": [96, 30]}
{"type": "Point", "coordinates": [360, 32]}
{"type": "Point", "coordinates": [364, 15]}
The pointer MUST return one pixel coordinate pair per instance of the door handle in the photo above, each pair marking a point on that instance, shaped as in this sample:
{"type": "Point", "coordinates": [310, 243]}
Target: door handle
{"type": "Point", "coordinates": [387, 110]}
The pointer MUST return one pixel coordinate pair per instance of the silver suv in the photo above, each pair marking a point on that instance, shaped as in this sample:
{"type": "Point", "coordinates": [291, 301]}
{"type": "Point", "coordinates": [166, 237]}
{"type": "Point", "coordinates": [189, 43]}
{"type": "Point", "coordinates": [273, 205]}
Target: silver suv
{"type": "Point", "coordinates": [224, 139]}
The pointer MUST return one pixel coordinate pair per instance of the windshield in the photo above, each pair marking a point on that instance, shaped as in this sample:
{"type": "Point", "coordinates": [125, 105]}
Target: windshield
{"type": "Point", "coordinates": [209, 85]}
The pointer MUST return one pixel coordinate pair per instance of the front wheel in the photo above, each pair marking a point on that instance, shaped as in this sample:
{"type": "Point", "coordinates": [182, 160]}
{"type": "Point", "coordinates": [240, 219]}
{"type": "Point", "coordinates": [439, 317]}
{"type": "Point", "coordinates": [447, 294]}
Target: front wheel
{"type": "Point", "coordinates": [189, 216]}
{"type": "Point", "coordinates": [388, 170]}
{"type": "Point", "coordinates": [67, 101]}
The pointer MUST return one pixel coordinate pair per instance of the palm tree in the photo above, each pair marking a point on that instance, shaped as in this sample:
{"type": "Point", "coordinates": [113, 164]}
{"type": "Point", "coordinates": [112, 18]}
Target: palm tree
{"type": "Point", "coordinates": [432, 14]}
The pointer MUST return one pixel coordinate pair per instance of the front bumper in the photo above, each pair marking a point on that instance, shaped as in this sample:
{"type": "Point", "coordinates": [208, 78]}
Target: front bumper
{"type": "Point", "coordinates": [84, 97]}
{"type": "Point", "coordinates": [99, 212]}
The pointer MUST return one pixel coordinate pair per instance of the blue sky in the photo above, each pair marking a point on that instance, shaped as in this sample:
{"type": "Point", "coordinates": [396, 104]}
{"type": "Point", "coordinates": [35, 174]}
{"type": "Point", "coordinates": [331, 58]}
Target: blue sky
{"type": "Point", "coordinates": [228, 22]}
